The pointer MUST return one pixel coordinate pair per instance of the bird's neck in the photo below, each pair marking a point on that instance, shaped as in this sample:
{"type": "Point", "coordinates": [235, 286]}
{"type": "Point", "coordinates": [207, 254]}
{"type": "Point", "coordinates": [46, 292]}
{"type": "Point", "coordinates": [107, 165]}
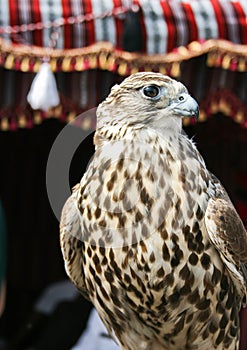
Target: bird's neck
{"type": "Point", "coordinates": [111, 133]}
{"type": "Point", "coordinates": [167, 126]}
{"type": "Point", "coordinates": [145, 133]}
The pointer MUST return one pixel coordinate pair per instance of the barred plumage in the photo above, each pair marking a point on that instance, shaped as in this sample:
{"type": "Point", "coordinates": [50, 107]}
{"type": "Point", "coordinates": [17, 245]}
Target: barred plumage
{"type": "Point", "coordinates": [150, 235]}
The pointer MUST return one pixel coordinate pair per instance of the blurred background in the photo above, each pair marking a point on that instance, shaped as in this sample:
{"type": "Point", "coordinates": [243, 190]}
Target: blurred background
{"type": "Point", "coordinates": [90, 45]}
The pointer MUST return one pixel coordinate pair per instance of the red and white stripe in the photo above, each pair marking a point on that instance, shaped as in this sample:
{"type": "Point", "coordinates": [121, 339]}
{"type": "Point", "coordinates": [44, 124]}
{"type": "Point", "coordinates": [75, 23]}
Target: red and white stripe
{"type": "Point", "coordinates": [205, 20]}
{"type": "Point", "coordinates": [68, 29]}
{"type": "Point", "coordinates": [25, 17]}
{"type": "Point", "coordinates": [78, 28]}
{"type": "Point", "coordinates": [166, 24]}
{"type": "Point", "coordinates": [156, 27]}
{"type": "Point", "coordinates": [170, 21]}
{"type": "Point", "coordinates": [4, 17]}
{"type": "Point", "coordinates": [50, 10]}
{"type": "Point", "coordinates": [241, 13]}
{"type": "Point", "coordinates": [36, 18]}
{"type": "Point", "coordinates": [89, 26]}
{"type": "Point", "coordinates": [183, 35]}
{"type": "Point", "coordinates": [231, 19]}
{"type": "Point", "coordinates": [190, 21]}
{"type": "Point", "coordinates": [105, 29]}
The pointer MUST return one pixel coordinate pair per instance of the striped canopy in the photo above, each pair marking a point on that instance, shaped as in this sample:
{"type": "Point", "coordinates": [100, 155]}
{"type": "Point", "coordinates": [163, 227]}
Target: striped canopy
{"type": "Point", "coordinates": [165, 24]}
{"type": "Point", "coordinates": [87, 38]}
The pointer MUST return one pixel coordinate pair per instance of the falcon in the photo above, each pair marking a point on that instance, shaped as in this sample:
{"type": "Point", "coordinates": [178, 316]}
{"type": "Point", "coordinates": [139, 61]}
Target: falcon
{"type": "Point", "coordinates": [149, 235]}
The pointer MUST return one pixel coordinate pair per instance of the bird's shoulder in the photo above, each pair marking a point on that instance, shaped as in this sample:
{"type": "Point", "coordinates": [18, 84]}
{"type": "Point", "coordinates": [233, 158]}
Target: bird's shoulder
{"type": "Point", "coordinates": [228, 234]}
{"type": "Point", "coordinates": [71, 242]}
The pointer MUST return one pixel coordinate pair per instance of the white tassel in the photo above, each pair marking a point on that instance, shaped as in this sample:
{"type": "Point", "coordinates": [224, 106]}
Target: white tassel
{"type": "Point", "coordinates": [43, 93]}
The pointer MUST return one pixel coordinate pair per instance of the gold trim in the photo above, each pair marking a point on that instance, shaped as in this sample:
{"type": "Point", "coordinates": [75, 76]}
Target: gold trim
{"type": "Point", "coordinates": [25, 64]}
{"type": "Point", "coordinates": [239, 117]}
{"type": "Point", "coordinates": [22, 121]}
{"type": "Point", "coordinates": [4, 124]}
{"type": "Point", "coordinates": [66, 64]}
{"type": "Point", "coordinates": [37, 118]}
{"type": "Point", "coordinates": [175, 70]}
{"type": "Point", "coordinates": [10, 60]}
{"type": "Point", "coordinates": [226, 62]}
{"type": "Point", "coordinates": [103, 55]}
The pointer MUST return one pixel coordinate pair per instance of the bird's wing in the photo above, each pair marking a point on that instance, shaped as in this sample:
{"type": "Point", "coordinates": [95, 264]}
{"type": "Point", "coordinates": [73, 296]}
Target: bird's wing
{"type": "Point", "coordinates": [71, 244]}
{"type": "Point", "coordinates": [73, 240]}
{"type": "Point", "coordinates": [226, 231]}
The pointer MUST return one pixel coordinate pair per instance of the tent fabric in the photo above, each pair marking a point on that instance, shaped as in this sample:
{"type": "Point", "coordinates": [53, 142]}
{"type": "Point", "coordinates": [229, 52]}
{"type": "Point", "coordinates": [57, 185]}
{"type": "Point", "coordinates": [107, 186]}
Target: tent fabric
{"type": "Point", "coordinates": [217, 90]}
{"type": "Point", "coordinates": [105, 56]}
{"type": "Point", "coordinates": [201, 43]}
{"type": "Point", "coordinates": [165, 24]}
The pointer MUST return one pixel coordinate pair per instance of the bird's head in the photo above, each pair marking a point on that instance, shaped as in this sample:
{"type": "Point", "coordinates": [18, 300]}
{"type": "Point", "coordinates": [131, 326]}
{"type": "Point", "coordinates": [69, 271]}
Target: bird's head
{"type": "Point", "coordinates": [150, 99]}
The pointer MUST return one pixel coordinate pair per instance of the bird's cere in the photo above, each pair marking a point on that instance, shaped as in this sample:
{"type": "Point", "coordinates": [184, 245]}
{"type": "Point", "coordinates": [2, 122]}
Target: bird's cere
{"type": "Point", "coordinates": [186, 106]}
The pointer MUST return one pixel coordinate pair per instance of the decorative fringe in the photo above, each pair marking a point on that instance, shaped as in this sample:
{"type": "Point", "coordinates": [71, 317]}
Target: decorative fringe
{"type": "Point", "coordinates": [103, 55]}
{"type": "Point", "coordinates": [27, 119]}
{"type": "Point", "coordinates": [227, 61]}
{"type": "Point", "coordinates": [225, 102]}
{"type": "Point", "coordinates": [220, 102]}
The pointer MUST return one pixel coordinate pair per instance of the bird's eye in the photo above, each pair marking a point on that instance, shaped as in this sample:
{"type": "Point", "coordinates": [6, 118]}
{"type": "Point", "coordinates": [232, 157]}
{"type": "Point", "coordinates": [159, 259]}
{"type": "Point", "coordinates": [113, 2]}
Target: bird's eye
{"type": "Point", "coordinates": [151, 91]}
{"type": "Point", "coordinates": [181, 98]}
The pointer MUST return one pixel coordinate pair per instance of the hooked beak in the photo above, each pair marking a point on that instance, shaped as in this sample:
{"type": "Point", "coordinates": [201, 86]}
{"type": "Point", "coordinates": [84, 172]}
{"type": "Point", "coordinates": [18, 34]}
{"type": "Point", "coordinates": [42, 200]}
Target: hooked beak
{"type": "Point", "coordinates": [186, 106]}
